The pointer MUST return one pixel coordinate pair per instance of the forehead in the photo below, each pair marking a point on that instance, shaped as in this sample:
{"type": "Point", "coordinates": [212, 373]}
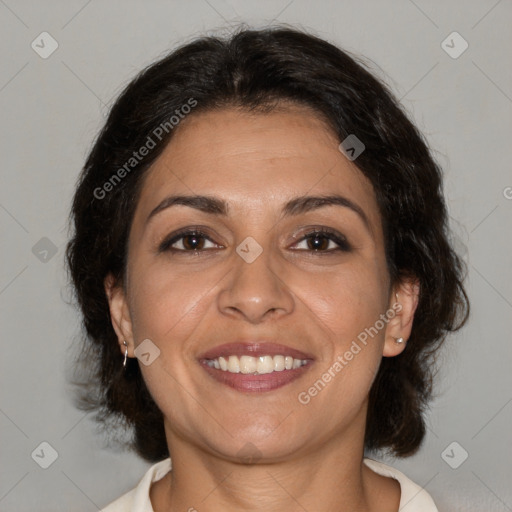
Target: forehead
{"type": "Point", "coordinates": [255, 161]}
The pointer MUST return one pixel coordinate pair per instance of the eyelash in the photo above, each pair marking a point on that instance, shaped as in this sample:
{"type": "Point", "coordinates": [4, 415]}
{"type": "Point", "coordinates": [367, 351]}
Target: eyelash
{"type": "Point", "coordinates": [331, 235]}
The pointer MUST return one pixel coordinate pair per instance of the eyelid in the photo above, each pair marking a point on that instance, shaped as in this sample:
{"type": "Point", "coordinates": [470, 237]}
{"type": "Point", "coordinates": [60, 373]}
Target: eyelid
{"type": "Point", "coordinates": [329, 233]}
{"type": "Point", "coordinates": [166, 244]}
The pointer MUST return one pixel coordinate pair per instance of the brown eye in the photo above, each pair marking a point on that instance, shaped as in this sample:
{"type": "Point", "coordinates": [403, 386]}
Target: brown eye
{"type": "Point", "coordinates": [323, 241]}
{"type": "Point", "coordinates": [318, 242]}
{"type": "Point", "coordinates": [188, 241]}
{"type": "Point", "coordinates": [193, 242]}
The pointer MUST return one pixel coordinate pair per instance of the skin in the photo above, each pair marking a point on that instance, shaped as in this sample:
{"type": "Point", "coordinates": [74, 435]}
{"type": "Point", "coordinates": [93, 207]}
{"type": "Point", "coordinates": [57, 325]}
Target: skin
{"type": "Point", "coordinates": [306, 457]}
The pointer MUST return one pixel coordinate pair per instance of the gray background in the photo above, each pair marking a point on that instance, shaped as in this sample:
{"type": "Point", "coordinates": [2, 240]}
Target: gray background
{"type": "Point", "coordinates": [51, 110]}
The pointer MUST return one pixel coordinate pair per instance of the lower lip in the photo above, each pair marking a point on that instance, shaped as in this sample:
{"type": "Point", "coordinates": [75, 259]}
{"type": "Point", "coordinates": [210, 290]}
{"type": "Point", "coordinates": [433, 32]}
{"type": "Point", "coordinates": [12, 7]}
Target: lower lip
{"type": "Point", "coordinates": [256, 383]}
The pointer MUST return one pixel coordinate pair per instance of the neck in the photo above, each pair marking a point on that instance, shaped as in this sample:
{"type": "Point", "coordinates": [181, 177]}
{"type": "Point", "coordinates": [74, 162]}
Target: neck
{"type": "Point", "coordinates": [329, 476]}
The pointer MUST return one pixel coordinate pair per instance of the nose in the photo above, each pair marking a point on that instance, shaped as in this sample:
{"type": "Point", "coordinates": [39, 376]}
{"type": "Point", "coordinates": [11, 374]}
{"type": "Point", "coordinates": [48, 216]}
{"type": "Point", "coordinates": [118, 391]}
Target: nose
{"type": "Point", "coordinates": [255, 291]}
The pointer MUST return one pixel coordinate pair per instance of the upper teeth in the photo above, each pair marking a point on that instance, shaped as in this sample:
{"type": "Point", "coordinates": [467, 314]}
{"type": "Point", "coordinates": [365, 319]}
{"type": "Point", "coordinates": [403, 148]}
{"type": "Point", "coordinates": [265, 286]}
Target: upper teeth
{"type": "Point", "coordinates": [256, 365]}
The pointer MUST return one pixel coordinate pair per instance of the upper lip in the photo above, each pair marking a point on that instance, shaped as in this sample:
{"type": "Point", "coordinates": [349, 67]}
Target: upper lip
{"type": "Point", "coordinates": [254, 349]}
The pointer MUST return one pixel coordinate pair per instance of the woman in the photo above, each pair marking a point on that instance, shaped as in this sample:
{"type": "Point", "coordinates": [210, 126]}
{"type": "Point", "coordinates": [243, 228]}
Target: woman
{"type": "Point", "coordinates": [261, 258]}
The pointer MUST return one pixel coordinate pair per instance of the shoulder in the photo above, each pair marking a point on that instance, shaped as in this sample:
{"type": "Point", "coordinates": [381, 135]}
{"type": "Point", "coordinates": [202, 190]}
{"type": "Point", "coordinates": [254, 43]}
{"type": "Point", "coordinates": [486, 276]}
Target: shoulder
{"type": "Point", "coordinates": [413, 497]}
{"type": "Point", "coordinates": [137, 500]}
{"type": "Point", "coordinates": [122, 504]}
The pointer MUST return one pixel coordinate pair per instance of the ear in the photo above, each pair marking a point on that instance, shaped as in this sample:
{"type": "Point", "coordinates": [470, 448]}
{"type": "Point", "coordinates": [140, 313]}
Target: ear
{"type": "Point", "coordinates": [119, 313]}
{"type": "Point", "coordinates": [402, 306]}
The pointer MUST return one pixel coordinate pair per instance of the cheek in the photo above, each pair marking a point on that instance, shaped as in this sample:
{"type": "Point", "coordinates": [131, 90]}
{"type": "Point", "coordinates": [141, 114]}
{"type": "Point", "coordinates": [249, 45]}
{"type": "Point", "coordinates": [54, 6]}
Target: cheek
{"type": "Point", "coordinates": [166, 302]}
{"type": "Point", "coordinates": [347, 300]}
{"type": "Point", "coordinates": [348, 304]}
{"type": "Point", "coordinates": [172, 308]}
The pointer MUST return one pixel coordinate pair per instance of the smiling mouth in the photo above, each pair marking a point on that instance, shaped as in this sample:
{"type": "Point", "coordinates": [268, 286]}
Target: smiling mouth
{"type": "Point", "coordinates": [255, 365]}
{"type": "Point", "coordinates": [255, 374]}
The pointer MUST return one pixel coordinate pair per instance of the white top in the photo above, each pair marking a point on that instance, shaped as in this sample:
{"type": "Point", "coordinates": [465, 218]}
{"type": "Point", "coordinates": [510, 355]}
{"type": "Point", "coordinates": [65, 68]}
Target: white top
{"type": "Point", "coordinates": [413, 497]}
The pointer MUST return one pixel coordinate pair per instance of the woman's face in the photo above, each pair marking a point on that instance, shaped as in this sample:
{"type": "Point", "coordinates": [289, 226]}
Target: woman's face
{"type": "Point", "coordinates": [257, 275]}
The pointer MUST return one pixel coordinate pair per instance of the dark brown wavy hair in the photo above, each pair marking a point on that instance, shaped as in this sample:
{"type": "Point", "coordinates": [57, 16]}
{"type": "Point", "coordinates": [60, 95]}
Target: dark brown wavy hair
{"type": "Point", "coordinates": [256, 70]}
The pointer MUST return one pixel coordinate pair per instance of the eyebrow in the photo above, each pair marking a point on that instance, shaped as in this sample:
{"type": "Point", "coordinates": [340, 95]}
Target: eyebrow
{"type": "Point", "coordinates": [302, 204]}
